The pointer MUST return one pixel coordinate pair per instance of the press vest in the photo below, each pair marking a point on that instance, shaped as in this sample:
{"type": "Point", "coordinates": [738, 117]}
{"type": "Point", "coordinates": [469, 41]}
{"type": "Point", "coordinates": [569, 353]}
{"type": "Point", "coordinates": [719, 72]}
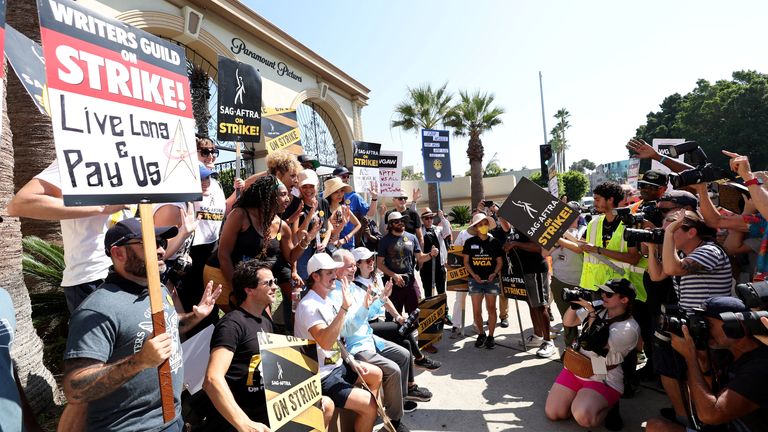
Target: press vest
{"type": "Point", "coordinates": [594, 272]}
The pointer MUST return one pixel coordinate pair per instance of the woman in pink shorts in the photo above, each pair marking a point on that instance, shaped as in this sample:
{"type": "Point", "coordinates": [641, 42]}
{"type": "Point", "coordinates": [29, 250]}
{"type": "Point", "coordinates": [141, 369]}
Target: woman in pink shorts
{"type": "Point", "coordinates": [608, 335]}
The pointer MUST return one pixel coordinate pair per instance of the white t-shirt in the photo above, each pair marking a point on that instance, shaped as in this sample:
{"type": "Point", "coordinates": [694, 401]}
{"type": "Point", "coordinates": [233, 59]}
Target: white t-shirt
{"type": "Point", "coordinates": [311, 311]}
{"type": "Point", "coordinates": [211, 212]}
{"type": "Point", "coordinates": [84, 251]}
{"type": "Point", "coordinates": [184, 246]}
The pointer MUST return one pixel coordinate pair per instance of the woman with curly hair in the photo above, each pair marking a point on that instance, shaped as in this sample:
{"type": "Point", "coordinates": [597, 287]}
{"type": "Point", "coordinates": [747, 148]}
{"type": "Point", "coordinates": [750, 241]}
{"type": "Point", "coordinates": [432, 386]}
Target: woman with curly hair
{"type": "Point", "coordinates": [254, 230]}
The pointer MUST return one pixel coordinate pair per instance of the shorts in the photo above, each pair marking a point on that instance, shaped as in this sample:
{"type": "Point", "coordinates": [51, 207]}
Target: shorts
{"type": "Point", "coordinates": [338, 384]}
{"type": "Point", "coordinates": [571, 381]}
{"type": "Point", "coordinates": [489, 288]}
{"type": "Point", "coordinates": [537, 286]}
{"type": "Point", "coordinates": [668, 362]}
{"type": "Point", "coordinates": [75, 294]}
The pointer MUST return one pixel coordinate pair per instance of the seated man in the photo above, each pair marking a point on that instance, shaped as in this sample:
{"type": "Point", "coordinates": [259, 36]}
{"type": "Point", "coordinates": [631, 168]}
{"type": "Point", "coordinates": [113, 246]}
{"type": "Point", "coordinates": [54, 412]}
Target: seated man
{"type": "Point", "coordinates": [741, 401]}
{"type": "Point", "coordinates": [234, 387]}
{"type": "Point", "coordinates": [317, 318]}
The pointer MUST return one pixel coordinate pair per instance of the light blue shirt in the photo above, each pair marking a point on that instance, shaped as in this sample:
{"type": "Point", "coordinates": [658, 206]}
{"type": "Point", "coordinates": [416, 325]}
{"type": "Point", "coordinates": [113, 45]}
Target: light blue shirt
{"type": "Point", "coordinates": [356, 331]}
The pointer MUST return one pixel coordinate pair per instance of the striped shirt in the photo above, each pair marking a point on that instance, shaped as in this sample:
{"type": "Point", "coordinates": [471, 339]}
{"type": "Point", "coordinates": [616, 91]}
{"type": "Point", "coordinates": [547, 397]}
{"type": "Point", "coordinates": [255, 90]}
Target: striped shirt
{"type": "Point", "coordinates": [714, 280]}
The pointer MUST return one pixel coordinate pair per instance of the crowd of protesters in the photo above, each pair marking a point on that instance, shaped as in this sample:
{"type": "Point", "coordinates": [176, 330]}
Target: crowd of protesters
{"type": "Point", "coordinates": [345, 266]}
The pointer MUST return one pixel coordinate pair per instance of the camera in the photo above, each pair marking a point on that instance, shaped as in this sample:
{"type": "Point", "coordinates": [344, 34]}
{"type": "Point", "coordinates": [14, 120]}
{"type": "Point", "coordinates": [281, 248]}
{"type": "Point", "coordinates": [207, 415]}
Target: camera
{"type": "Point", "coordinates": [704, 171]}
{"type": "Point", "coordinates": [672, 320]}
{"type": "Point", "coordinates": [737, 325]}
{"type": "Point", "coordinates": [655, 236]}
{"type": "Point", "coordinates": [625, 215]}
{"type": "Point", "coordinates": [753, 294]}
{"type": "Point", "coordinates": [575, 294]}
{"type": "Point", "coordinates": [410, 323]}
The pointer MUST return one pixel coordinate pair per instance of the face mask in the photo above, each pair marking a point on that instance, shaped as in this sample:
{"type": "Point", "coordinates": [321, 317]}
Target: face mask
{"type": "Point", "coordinates": [483, 229]}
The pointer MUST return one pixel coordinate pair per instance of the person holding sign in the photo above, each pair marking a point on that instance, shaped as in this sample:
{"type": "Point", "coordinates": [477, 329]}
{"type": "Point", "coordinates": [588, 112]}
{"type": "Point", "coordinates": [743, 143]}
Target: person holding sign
{"type": "Point", "coordinates": [483, 260]}
{"type": "Point", "coordinates": [317, 320]}
{"type": "Point", "coordinates": [111, 357]}
{"type": "Point", "coordinates": [591, 382]}
{"type": "Point", "coordinates": [233, 379]}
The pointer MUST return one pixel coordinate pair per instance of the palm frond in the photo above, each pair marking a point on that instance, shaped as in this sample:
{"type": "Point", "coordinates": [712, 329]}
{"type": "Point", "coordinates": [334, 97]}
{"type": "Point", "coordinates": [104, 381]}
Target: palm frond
{"type": "Point", "coordinates": [42, 260]}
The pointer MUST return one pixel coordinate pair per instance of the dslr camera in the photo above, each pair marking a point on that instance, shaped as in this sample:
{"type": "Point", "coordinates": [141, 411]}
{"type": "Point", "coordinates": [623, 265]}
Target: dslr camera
{"type": "Point", "coordinates": [410, 323]}
{"type": "Point", "coordinates": [672, 320]}
{"type": "Point", "coordinates": [648, 212]}
{"type": "Point", "coordinates": [571, 295]}
{"type": "Point", "coordinates": [740, 324]}
{"type": "Point", "coordinates": [655, 236]}
{"type": "Point", "coordinates": [704, 171]}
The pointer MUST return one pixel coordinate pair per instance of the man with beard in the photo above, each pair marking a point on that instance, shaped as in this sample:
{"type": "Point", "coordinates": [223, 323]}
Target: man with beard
{"type": "Point", "coordinates": [111, 357]}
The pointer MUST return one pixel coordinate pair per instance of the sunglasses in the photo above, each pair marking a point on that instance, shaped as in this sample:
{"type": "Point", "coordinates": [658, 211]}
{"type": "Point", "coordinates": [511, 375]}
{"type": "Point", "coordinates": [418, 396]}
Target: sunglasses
{"type": "Point", "coordinates": [368, 260]}
{"type": "Point", "coordinates": [344, 177]}
{"type": "Point", "coordinates": [427, 217]}
{"type": "Point", "coordinates": [664, 211]}
{"type": "Point", "coordinates": [269, 282]}
{"type": "Point", "coordinates": [651, 187]}
{"type": "Point", "coordinates": [208, 152]}
{"type": "Point", "coordinates": [160, 242]}
{"type": "Point", "coordinates": [607, 294]}
{"type": "Point", "coordinates": [401, 198]}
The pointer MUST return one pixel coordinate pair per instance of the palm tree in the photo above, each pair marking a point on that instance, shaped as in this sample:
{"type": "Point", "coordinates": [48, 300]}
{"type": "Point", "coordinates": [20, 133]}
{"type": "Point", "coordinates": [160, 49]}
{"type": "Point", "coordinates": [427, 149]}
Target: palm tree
{"type": "Point", "coordinates": [424, 108]}
{"type": "Point", "coordinates": [39, 385]}
{"type": "Point", "coordinates": [473, 116]}
{"type": "Point", "coordinates": [558, 142]}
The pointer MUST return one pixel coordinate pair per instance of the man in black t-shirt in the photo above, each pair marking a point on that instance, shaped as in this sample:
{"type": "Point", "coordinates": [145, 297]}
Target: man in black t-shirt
{"type": "Point", "coordinates": [411, 217]}
{"type": "Point", "coordinates": [742, 401]}
{"type": "Point", "coordinates": [233, 380]}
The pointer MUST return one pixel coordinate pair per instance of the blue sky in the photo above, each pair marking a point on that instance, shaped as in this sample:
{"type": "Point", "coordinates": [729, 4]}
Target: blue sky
{"type": "Point", "coordinates": [608, 63]}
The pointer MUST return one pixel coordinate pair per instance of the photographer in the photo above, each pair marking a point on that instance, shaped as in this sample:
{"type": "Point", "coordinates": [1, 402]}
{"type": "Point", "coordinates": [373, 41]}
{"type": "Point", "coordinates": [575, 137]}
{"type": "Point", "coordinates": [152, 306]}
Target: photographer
{"type": "Point", "coordinates": [741, 400]}
{"type": "Point", "coordinates": [607, 336]}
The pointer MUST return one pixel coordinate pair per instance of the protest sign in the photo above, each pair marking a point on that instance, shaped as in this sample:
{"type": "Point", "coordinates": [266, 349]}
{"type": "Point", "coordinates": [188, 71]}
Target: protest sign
{"type": "Point", "coordinates": [431, 320]}
{"type": "Point", "coordinates": [437, 155]}
{"type": "Point", "coordinates": [291, 382]}
{"type": "Point", "coordinates": [633, 174]}
{"type": "Point", "coordinates": [512, 279]}
{"type": "Point", "coordinates": [239, 117]}
{"type": "Point", "coordinates": [120, 109]}
{"type": "Point", "coordinates": [26, 58]}
{"type": "Point", "coordinates": [540, 216]}
{"type": "Point", "coordinates": [366, 163]}
{"type": "Point", "coordinates": [390, 173]}
{"type": "Point", "coordinates": [457, 276]}
{"type": "Point", "coordinates": [281, 129]}
{"type": "Point", "coordinates": [195, 353]}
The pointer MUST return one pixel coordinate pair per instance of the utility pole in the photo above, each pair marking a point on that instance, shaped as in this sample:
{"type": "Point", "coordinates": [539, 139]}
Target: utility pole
{"type": "Point", "coordinates": [543, 116]}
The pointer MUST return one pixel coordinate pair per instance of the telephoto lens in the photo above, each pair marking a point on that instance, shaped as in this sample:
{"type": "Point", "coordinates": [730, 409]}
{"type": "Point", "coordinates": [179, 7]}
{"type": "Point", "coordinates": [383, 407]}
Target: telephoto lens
{"type": "Point", "coordinates": [571, 295]}
{"type": "Point", "coordinates": [410, 323]}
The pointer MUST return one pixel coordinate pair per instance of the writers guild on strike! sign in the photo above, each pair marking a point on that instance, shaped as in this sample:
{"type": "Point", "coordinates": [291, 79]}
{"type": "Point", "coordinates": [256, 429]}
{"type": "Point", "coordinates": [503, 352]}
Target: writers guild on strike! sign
{"type": "Point", "coordinates": [119, 100]}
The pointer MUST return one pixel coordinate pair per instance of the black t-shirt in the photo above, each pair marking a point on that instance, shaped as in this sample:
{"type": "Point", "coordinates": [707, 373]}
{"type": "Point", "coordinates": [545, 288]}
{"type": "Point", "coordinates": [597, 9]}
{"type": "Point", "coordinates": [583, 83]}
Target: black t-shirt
{"type": "Point", "coordinates": [532, 262]}
{"type": "Point", "coordinates": [608, 229]}
{"type": "Point", "coordinates": [482, 255]}
{"type": "Point", "coordinates": [412, 220]}
{"type": "Point", "coordinates": [747, 376]}
{"type": "Point", "coordinates": [237, 331]}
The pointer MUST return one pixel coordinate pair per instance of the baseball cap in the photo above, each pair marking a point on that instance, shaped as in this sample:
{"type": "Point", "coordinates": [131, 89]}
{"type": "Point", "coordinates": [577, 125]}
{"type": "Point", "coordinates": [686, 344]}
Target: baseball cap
{"type": "Point", "coordinates": [304, 159]}
{"type": "Point", "coordinates": [340, 170]}
{"type": "Point", "coordinates": [308, 177]}
{"type": "Point", "coordinates": [129, 229]}
{"type": "Point", "coordinates": [322, 261]}
{"type": "Point", "coordinates": [619, 286]}
{"type": "Point", "coordinates": [681, 198]}
{"type": "Point", "coordinates": [395, 215]}
{"type": "Point", "coordinates": [714, 306]}
{"type": "Point", "coordinates": [362, 253]}
{"type": "Point", "coordinates": [654, 178]}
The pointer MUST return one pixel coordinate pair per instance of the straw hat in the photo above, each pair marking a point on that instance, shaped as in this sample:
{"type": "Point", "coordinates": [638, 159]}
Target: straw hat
{"type": "Point", "coordinates": [476, 219]}
{"type": "Point", "coordinates": [333, 184]}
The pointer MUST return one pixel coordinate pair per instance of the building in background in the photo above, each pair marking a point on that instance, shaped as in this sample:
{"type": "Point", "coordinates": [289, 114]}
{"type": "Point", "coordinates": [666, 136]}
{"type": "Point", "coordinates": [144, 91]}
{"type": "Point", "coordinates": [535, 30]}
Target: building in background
{"type": "Point", "coordinates": [610, 171]}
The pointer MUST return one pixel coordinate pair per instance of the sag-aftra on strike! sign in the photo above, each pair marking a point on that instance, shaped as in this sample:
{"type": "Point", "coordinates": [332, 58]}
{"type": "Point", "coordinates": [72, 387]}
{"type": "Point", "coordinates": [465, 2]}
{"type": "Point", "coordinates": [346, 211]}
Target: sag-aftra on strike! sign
{"type": "Point", "coordinates": [120, 108]}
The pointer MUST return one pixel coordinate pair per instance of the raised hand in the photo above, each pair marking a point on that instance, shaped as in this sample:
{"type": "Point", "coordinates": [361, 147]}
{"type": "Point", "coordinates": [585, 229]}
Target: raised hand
{"type": "Point", "coordinates": [641, 148]}
{"type": "Point", "coordinates": [374, 189]}
{"type": "Point", "coordinates": [416, 194]}
{"type": "Point", "coordinates": [208, 301]}
{"type": "Point", "coordinates": [346, 297]}
{"type": "Point", "coordinates": [387, 289]}
{"type": "Point", "coordinates": [739, 164]}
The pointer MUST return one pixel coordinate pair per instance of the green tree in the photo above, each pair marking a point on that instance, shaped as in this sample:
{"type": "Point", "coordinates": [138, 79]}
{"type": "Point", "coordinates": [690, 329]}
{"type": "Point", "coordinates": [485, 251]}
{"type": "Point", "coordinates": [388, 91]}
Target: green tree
{"type": "Point", "coordinates": [424, 108]}
{"type": "Point", "coordinates": [728, 114]}
{"type": "Point", "coordinates": [473, 116]}
{"type": "Point", "coordinates": [559, 142]}
{"type": "Point", "coordinates": [408, 174]}
{"type": "Point", "coordinates": [575, 185]}
{"type": "Point", "coordinates": [583, 165]}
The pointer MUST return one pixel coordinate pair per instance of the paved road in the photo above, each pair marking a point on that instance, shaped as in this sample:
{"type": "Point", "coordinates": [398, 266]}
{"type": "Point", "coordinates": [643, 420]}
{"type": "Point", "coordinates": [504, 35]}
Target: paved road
{"type": "Point", "coordinates": [503, 389]}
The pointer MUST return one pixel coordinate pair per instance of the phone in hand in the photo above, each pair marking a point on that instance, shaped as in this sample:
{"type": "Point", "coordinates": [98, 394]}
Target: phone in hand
{"type": "Point", "coordinates": [488, 203]}
{"type": "Point", "coordinates": [339, 217]}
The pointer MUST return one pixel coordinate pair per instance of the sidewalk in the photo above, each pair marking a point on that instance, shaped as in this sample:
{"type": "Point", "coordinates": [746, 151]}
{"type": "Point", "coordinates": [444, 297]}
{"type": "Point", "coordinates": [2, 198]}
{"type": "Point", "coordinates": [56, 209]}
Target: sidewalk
{"type": "Point", "coordinates": [504, 388]}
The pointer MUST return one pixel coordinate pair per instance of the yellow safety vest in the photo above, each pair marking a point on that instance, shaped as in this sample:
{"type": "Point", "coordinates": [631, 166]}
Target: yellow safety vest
{"type": "Point", "coordinates": [594, 272]}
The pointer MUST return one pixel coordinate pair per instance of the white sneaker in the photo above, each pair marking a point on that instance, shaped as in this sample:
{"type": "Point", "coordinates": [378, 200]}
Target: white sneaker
{"type": "Point", "coordinates": [531, 341]}
{"type": "Point", "coordinates": [547, 349]}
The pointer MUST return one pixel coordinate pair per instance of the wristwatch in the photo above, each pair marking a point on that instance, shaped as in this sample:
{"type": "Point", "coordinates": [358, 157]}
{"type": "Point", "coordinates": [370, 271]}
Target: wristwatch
{"type": "Point", "coordinates": [754, 181]}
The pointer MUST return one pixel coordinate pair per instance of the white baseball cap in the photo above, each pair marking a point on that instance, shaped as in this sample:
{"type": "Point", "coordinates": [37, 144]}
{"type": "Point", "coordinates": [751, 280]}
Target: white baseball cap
{"type": "Point", "coordinates": [308, 177]}
{"type": "Point", "coordinates": [322, 261]}
{"type": "Point", "coordinates": [362, 253]}
{"type": "Point", "coordinates": [395, 215]}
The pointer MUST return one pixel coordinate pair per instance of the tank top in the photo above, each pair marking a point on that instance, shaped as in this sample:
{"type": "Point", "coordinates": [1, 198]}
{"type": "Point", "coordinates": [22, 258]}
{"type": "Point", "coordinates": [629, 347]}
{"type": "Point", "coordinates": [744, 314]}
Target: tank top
{"type": "Point", "coordinates": [249, 244]}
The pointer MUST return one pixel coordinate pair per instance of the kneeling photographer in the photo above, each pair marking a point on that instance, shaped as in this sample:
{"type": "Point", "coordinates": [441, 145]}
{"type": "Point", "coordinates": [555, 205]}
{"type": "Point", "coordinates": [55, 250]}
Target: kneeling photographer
{"type": "Point", "coordinates": [609, 334]}
{"type": "Point", "coordinates": [737, 397]}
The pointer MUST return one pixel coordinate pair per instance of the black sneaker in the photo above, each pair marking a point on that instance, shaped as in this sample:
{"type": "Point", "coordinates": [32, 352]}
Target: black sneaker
{"type": "Point", "coordinates": [613, 421]}
{"type": "Point", "coordinates": [489, 343]}
{"type": "Point", "coordinates": [416, 393]}
{"type": "Point", "coordinates": [504, 323]}
{"type": "Point", "coordinates": [399, 426]}
{"type": "Point", "coordinates": [480, 341]}
{"type": "Point", "coordinates": [427, 363]}
{"type": "Point", "coordinates": [448, 322]}
{"type": "Point", "coordinates": [409, 406]}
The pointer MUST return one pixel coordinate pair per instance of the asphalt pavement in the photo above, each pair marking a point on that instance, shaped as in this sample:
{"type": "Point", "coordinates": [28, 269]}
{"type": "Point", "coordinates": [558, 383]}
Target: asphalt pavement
{"type": "Point", "coordinates": [505, 388]}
